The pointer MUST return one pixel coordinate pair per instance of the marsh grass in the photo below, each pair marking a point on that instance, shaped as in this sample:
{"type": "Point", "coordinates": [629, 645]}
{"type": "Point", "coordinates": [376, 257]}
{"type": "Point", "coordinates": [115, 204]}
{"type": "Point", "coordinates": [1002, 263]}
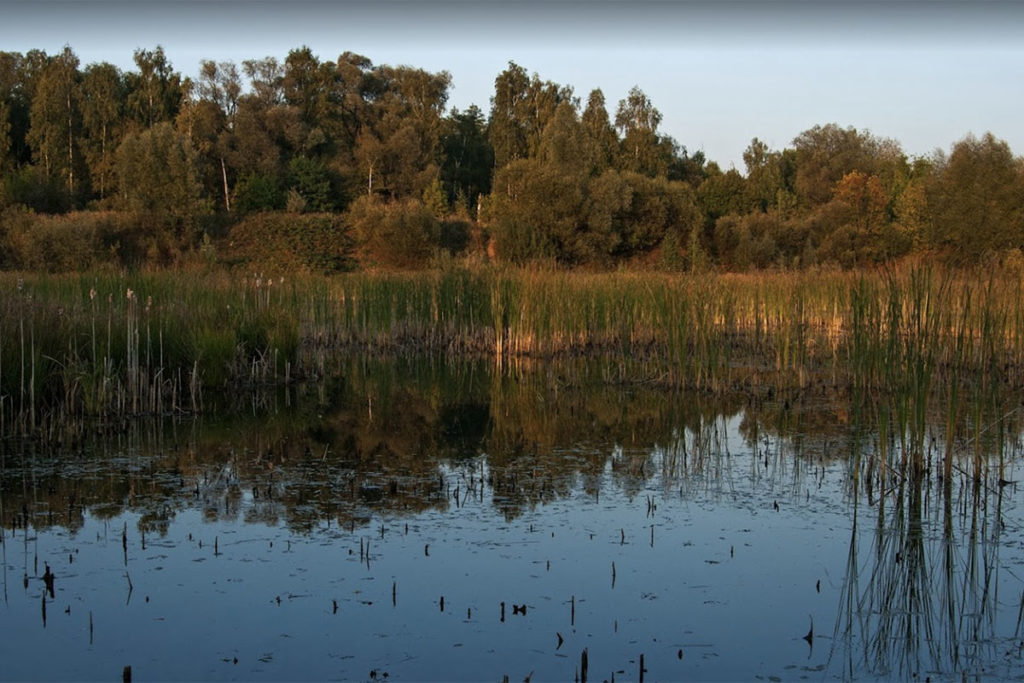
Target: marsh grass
{"type": "Point", "coordinates": [912, 346]}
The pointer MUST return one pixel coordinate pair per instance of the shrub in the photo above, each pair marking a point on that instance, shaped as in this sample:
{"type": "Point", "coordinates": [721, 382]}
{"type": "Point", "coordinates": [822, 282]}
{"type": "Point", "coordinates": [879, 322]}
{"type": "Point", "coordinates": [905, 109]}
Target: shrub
{"type": "Point", "coordinates": [70, 242]}
{"type": "Point", "coordinates": [398, 234]}
{"type": "Point", "coordinates": [314, 242]}
{"type": "Point", "coordinates": [258, 192]}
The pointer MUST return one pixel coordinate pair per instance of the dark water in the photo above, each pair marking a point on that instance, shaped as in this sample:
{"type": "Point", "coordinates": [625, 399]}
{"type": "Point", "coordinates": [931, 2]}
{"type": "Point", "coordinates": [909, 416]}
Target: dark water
{"type": "Point", "coordinates": [373, 527]}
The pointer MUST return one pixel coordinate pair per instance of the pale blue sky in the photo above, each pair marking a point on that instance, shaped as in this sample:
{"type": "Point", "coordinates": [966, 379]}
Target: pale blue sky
{"type": "Point", "coordinates": [925, 73]}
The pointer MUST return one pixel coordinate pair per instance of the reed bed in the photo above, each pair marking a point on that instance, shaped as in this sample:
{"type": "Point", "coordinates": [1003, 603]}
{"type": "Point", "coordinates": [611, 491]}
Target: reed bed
{"type": "Point", "coordinates": [910, 344]}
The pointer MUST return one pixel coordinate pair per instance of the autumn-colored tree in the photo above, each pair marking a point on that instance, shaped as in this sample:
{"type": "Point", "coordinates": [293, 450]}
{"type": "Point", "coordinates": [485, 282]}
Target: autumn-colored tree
{"type": "Point", "coordinates": [910, 210]}
{"type": "Point", "coordinates": [865, 199]}
{"type": "Point", "coordinates": [824, 154]}
{"type": "Point", "coordinates": [863, 210]}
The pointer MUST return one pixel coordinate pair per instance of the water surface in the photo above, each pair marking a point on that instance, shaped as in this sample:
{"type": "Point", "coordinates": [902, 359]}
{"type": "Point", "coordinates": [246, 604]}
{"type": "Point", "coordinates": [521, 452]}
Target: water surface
{"type": "Point", "coordinates": [421, 520]}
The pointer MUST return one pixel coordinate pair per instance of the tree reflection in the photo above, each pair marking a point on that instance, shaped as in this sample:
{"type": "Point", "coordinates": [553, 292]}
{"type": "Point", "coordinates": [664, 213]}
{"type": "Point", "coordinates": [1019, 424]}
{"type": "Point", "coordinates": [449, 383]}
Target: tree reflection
{"type": "Point", "coordinates": [394, 438]}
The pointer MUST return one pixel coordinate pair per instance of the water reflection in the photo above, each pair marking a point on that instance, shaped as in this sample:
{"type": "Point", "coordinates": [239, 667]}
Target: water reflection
{"type": "Point", "coordinates": [922, 585]}
{"type": "Point", "coordinates": [918, 566]}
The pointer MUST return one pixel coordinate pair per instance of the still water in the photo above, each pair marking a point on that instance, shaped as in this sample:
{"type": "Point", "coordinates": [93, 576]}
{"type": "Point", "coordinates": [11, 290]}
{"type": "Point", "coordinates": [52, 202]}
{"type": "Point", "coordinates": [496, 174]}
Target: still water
{"type": "Point", "coordinates": [418, 520]}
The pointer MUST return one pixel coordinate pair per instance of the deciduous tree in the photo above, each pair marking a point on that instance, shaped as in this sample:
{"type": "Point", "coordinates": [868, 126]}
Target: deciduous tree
{"type": "Point", "coordinates": [155, 90]}
{"type": "Point", "coordinates": [467, 156]}
{"type": "Point", "coordinates": [103, 100]}
{"type": "Point", "coordinates": [600, 140]}
{"type": "Point", "coordinates": [977, 198]}
{"type": "Point", "coordinates": [642, 149]}
{"type": "Point", "coordinates": [56, 120]}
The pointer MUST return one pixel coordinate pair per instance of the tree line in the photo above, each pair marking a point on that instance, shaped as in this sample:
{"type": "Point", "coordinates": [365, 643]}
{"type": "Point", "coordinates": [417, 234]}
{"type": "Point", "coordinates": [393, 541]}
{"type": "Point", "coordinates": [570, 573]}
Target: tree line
{"type": "Point", "coordinates": [336, 163]}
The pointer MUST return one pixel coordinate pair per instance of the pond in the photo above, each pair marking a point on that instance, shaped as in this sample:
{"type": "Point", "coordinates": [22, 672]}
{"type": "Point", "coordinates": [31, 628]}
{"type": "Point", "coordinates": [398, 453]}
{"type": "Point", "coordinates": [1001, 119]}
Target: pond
{"type": "Point", "coordinates": [416, 519]}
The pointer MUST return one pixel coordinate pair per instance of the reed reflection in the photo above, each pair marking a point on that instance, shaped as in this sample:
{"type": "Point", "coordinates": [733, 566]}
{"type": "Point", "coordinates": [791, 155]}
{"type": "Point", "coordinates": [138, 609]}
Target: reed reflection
{"type": "Point", "coordinates": [925, 488]}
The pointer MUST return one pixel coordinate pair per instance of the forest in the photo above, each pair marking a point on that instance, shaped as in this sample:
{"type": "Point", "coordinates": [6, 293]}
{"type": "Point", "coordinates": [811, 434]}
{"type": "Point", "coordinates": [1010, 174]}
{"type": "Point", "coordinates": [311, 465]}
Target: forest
{"type": "Point", "coordinates": [320, 166]}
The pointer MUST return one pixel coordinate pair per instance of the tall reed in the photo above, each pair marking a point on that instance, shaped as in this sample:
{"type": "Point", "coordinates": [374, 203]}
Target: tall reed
{"type": "Point", "coordinates": [922, 341]}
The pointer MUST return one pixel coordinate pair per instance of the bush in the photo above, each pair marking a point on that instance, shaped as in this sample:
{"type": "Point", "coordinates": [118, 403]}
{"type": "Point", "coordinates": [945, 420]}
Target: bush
{"type": "Point", "coordinates": [32, 188]}
{"type": "Point", "coordinates": [70, 242]}
{"type": "Point", "coordinates": [398, 234]}
{"type": "Point", "coordinates": [258, 192]}
{"type": "Point", "coordinates": [313, 242]}
{"type": "Point", "coordinates": [455, 235]}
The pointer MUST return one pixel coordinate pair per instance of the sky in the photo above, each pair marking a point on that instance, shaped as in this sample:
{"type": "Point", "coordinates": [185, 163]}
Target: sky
{"type": "Point", "coordinates": [923, 72]}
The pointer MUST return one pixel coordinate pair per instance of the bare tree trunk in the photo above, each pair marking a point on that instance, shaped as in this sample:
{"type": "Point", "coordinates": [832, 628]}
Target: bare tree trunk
{"type": "Point", "coordinates": [224, 175]}
{"type": "Point", "coordinates": [103, 156]}
{"type": "Point", "coordinates": [71, 148]}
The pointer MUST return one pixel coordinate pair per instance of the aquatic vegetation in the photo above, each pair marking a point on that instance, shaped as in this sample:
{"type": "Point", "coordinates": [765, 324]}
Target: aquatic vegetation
{"type": "Point", "coordinates": [906, 345]}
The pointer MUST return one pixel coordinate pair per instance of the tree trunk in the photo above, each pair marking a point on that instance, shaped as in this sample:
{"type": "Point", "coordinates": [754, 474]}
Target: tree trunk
{"type": "Point", "coordinates": [224, 175]}
{"type": "Point", "coordinates": [71, 148]}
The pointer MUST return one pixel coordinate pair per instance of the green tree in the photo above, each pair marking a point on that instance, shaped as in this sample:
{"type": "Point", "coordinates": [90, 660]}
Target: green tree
{"type": "Point", "coordinates": [467, 159]}
{"type": "Point", "coordinates": [628, 214]}
{"type": "Point", "coordinates": [658, 206]}
{"type": "Point", "coordinates": [435, 199]}
{"type": "Point", "coordinates": [219, 89]}
{"type": "Point", "coordinates": [157, 173]}
{"type": "Point", "coordinates": [824, 154]}
{"type": "Point", "coordinates": [19, 76]}
{"type": "Point", "coordinates": [265, 137]}
{"type": "Point", "coordinates": [56, 120]}
{"type": "Point", "coordinates": [520, 110]}
{"type": "Point", "coordinates": [562, 144]}
{"type": "Point", "coordinates": [399, 150]}
{"type": "Point", "coordinates": [154, 91]}
{"type": "Point", "coordinates": [606, 213]}
{"type": "Point", "coordinates": [977, 198]}
{"type": "Point", "coordinates": [258, 192]}
{"type": "Point", "coordinates": [307, 86]}
{"type": "Point", "coordinates": [642, 150]}
{"type": "Point", "coordinates": [266, 76]}
{"type": "Point", "coordinates": [103, 100]}
{"type": "Point", "coordinates": [721, 194]}
{"type": "Point", "coordinates": [311, 179]}
{"type": "Point", "coordinates": [536, 211]}
{"type": "Point", "coordinates": [600, 140]}
{"type": "Point", "coordinates": [203, 123]}
{"type": "Point", "coordinates": [6, 144]}
{"type": "Point", "coordinates": [506, 128]}
{"type": "Point", "coordinates": [770, 176]}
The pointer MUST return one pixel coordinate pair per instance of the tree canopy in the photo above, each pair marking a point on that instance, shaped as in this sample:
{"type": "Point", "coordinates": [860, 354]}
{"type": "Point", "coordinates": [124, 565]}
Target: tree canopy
{"type": "Point", "coordinates": [540, 175]}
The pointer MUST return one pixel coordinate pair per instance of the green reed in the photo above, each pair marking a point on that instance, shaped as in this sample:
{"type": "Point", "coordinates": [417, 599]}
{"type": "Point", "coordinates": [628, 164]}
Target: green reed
{"type": "Point", "coordinates": [924, 343]}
